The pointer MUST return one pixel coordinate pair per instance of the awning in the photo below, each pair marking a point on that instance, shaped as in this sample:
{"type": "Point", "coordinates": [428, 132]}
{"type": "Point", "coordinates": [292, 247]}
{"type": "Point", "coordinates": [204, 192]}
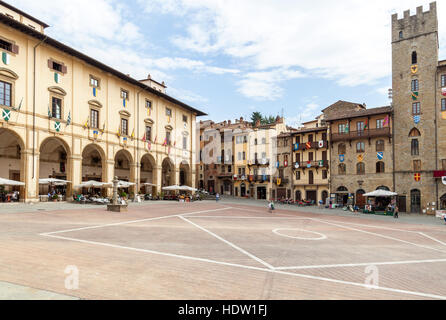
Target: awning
{"type": "Point", "coordinates": [439, 174]}
{"type": "Point", "coordinates": [380, 193]}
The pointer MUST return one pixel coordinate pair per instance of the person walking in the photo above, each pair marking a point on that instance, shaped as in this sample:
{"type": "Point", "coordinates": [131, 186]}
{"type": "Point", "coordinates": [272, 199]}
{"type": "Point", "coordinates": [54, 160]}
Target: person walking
{"type": "Point", "coordinates": [395, 212]}
{"type": "Point", "coordinates": [217, 197]}
{"type": "Point", "coordinates": [271, 207]}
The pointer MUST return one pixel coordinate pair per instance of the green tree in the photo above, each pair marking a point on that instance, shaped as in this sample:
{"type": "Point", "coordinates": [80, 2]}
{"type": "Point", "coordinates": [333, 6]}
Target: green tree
{"type": "Point", "coordinates": [256, 116]}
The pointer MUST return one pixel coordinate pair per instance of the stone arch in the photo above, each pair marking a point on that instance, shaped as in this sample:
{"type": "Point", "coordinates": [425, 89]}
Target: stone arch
{"type": "Point", "coordinates": [148, 173]}
{"type": "Point", "coordinates": [55, 162]}
{"type": "Point", "coordinates": [123, 165]}
{"type": "Point", "coordinates": [414, 133]}
{"type": "Point", "coordinates": [12, 160]}
{"type": "Point", "coordinates": [185, 177]}
{"type": "Point", "coordinates": [167, 172]}
{"type": "Point", "coordinates": [383, 188]}
{"type": "Point", "coordinates": [94, 163]}
{"type": "Point", "coordinates": [443, 202]}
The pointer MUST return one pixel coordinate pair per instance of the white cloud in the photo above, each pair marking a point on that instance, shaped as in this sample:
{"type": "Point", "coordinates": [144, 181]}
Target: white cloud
{"type": "Point", "coordinates": [347, 41]}
{"type": "Point", "coordinates": [264, 85]}
{"type": "Point", "coordinates": [185, 95]}
{"type": "Point", "coordinates": [102, 29]}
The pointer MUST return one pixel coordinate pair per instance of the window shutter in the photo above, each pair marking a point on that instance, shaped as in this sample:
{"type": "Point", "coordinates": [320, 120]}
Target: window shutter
{"type": "Point", "coordinates": [50, 64]}
{"type": "Point", "coordinates": [15, 49]}
{"type": "Point", "coordinates": [64, 69]}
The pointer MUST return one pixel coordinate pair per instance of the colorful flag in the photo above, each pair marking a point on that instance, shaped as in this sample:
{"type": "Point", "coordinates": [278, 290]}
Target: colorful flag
{"type": "Point", "coordinates": [103, 128]}
{"type": "Point", "coordinates": [380, 155]}
{"type": "Point", "coordinates": [144, 138]}
{"type": "Point", "coordinates": [341, 157]}
{"type": "Point", "coordinates": [360, 158]}
{"type": "Point", "coordinates": [69, 119]}
{"type": "Point", "coordinates": [123, 103]}
{"type": "Point", "coordinates": [414, 69]}
{"type": "Point", "coordinates": [414, 95]}
{"type": "Point", "coordinates": [149, 145]}
{"type": "Point", "coordinates": [94, 92]}
{"type": "Point", "coordinates": [149, 111]}
{"type": "Point", "coordinates": [86, 123]}
{"type": "Point", "coordinates": [417, 177]}
{"type": "Point", "coordinates": [321, 144]}
{"type": "Point", "coordinates": [50, 115]}
{"type": "Point", "coordinates": [347, 129]}
{"type": "Point", "coordinates": [366, 124]}
{"type": "Point", "coordinates": [6, 58]}
{"type": "Point", "coordinates": [165, 142]}
{"type": "Point", "coordinates": [386, 121]}
{"type": "Point", "coordinates": [443, 91]}
{"type": "Point", "coordinates": [118, 133]}
{"type": "Point", "coordinates": [133, 134]}
{"type": "Point", "coordinates": [308, 145]}
{"type": "Point", "coordinates": [95, 134]}
{"type": "Point", "coordinates": [56, 77]}
{"type": "Point", "coordinates": [6, 114]}
{"type": "Point", "coordinates": [57, 126]}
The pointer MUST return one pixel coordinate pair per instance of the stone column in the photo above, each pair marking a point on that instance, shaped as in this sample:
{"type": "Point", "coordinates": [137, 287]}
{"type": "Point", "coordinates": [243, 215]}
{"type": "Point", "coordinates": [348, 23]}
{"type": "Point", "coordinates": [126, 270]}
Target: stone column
{"type": "Point", "coordinates": [134, 177]}
{"type": "Point", "coordinates": [76, 174]}
{"type": "Point", "coordinates": [30, 193]}
{"type": "Point", "coordinates": [109, 174]}
{"type": "Point", "coordinates": [158, 179]}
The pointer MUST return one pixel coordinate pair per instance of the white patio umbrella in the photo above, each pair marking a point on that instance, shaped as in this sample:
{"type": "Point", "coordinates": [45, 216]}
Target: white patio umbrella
{"type": "Point", "coordinates": [53, 181]}
{"type": "Point", "coordinates": [94, 184]}
{"type": "Point", "coordinates": [171, 188]}
{"type": "Point", "coordinates": [380, 193]}
{"type": "Point", "coordinates": [125, 184]}
{"type": "Point", "coordinates": [187, 188]}
{"type": "Point", "coordinates": [7, 182]}
{"type": "Point", "coordinates": [149, 184]}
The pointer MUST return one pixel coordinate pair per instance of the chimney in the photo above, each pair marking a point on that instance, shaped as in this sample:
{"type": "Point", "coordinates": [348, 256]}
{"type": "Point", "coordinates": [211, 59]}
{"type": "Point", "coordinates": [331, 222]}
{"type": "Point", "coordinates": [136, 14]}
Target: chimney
{"type": "Point", "coordinates": [149, 77]}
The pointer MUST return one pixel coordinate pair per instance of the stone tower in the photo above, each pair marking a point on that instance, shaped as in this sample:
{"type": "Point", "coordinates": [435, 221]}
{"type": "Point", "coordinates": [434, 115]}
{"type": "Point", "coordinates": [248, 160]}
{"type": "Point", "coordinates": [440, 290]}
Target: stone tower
{"type": "Point", "coordinates": [414, 67]}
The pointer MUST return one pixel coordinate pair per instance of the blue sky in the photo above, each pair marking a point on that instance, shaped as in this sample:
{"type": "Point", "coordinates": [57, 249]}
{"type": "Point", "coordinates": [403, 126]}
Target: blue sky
{"type": "Point", "coordinates": [232, 57]}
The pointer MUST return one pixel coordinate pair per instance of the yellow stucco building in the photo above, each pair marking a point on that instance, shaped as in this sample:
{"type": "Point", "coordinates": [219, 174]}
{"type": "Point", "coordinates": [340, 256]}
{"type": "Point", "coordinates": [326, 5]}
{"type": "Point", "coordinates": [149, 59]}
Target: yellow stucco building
{"type": "Point", "coordinates": [66, 115]}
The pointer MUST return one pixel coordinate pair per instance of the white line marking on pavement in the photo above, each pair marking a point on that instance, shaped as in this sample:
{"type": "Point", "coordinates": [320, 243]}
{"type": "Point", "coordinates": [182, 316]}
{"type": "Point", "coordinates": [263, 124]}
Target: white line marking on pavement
{"type": "Point", "coordinates": [238, 217]}
{"type": "Point", "coordinates": [230, 244]}
{"type": "Point", "coordinates": [321, 235]}
{"type": "Point", "coordinates": [414, 293]}
{"type": "Point", "coordinates": [324, 266]}
{"type": "Point", "coordinates": [432, 238]}
{"type": "Point", "coordinates": [379, 235]}
{"type": "Point", "coordinates": [133, 221]}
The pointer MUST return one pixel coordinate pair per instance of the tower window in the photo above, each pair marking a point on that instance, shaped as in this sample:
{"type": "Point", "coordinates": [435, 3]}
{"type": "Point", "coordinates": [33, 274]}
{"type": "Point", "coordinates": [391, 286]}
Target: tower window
{"type": "Point", "coordinates": [415, 85]}
{"type": "Point", "coordinates": [416, 108]}
{"type": "Point", "coordinates": [414, 57]}
{"type": "Point", "coordinates": [415, 148]}
{"type": "Point", "coordinates": [401, 35]}
{"type": "Point", "coordinates": [443, 104]}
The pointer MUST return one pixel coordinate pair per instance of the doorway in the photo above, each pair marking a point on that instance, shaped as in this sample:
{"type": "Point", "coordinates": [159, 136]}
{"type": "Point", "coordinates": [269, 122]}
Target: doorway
{"type": "Point", "coordinates": [415, 201]}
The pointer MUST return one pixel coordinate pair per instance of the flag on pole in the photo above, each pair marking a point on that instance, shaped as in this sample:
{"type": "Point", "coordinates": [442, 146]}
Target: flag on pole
{"type": "Point", "coordinates": [103, 128]}
{"type": "Point", "coordinates": [118, 133]}
{"type": "Point", "coordinates": [347, 129]}
{"type": "Point", "coordinates": [366, 124]}
{"type": "Point", "coordinates": [149, 145]}
{"type": "Point", "coordinates": [20, 105]}
{"type": "Point", "coordinates": [133, 133]}
{"type": "Point", "coordinates": [69, 119]}
{"type": "Point", "coordinates": [86, 123]}
{"type": "Point", "coordinates": [144, 138]}
{"type": "Point", "coordinates": [386, 121]}
{"type": "Point", "coordinates": [50, 115]}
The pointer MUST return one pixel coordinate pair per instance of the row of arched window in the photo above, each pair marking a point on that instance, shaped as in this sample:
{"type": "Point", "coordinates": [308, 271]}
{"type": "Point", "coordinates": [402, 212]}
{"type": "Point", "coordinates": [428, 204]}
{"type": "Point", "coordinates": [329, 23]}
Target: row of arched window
{"type": "Point", "coordinates": [360, 168]}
